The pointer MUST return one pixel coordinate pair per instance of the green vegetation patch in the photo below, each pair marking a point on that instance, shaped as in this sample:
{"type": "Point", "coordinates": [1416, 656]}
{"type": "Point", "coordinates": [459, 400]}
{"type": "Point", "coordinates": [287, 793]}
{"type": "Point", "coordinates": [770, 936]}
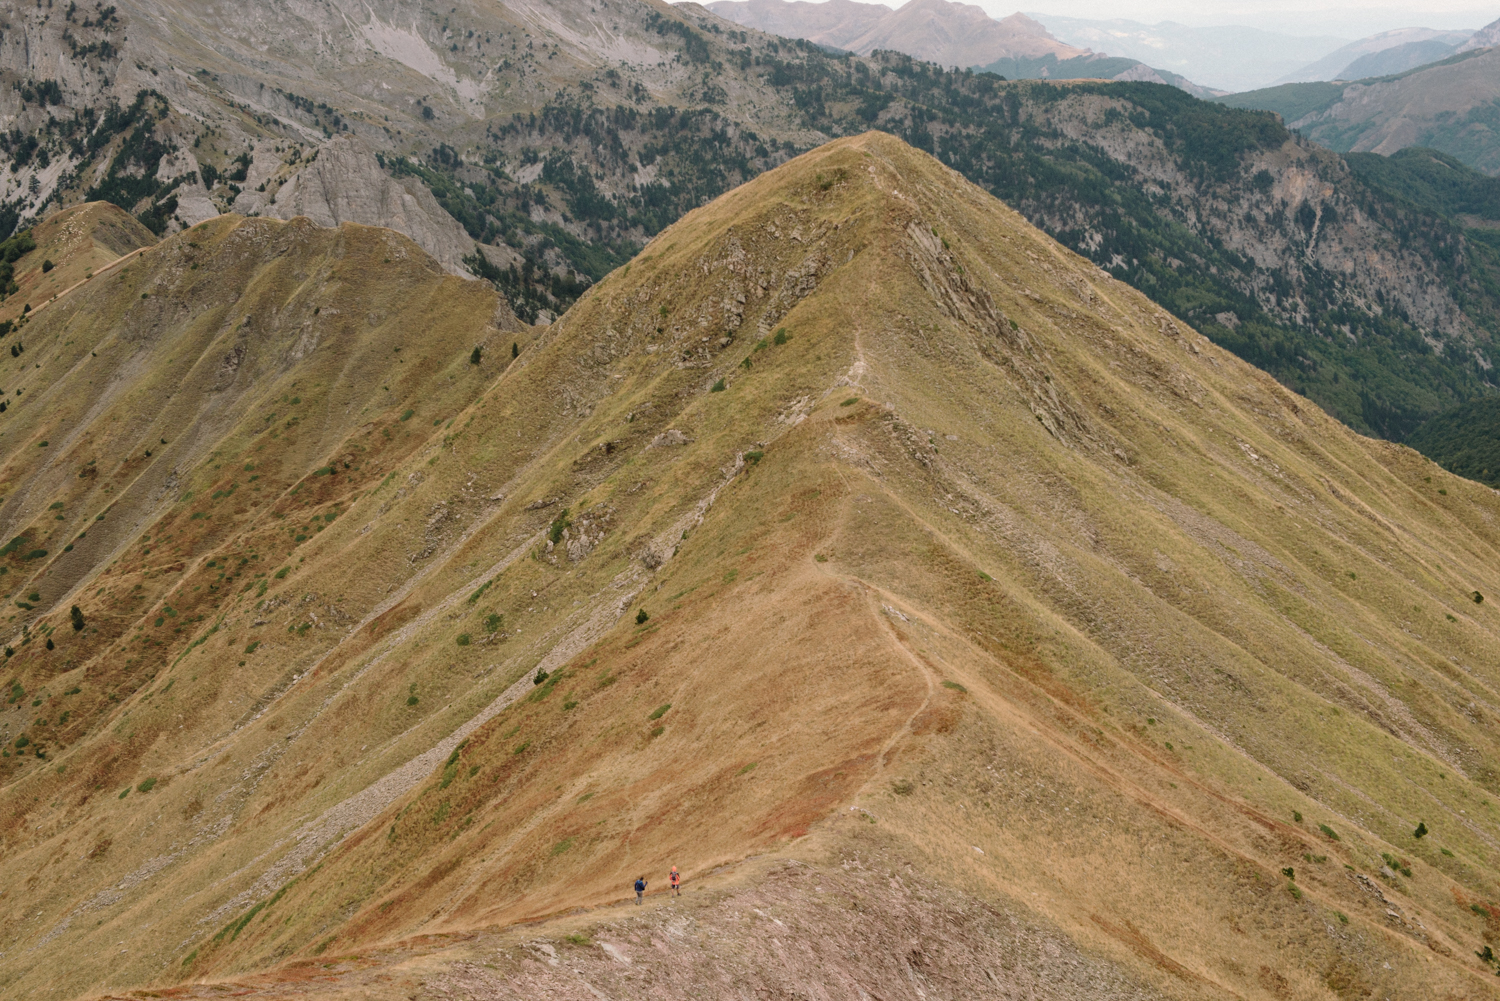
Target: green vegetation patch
{"type": "Point", "coordinates": [1464, 440]}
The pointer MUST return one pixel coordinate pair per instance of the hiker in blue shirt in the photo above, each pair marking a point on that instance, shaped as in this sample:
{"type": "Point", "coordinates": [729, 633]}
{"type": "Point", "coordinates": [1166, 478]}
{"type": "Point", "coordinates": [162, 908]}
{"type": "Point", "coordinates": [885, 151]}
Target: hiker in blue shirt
{"type": "Point", "coordinates": [640, 888]}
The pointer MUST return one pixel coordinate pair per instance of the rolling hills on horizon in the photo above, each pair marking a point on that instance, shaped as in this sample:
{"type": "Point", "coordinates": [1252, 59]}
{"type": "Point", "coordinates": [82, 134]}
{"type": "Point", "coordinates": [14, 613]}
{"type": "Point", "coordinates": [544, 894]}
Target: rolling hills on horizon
{"type": "Point", "coordinates": [948, 611]}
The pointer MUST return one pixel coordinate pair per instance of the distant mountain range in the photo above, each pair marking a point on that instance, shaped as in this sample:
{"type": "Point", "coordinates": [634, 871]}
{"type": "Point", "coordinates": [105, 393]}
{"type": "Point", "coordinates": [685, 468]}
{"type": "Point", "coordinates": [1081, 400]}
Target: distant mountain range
{"type": "Point", "coordinates": [950, 34]}
{"type": "Point", "coordinates": [1380, 55]}
{"type": "Point", "coordinates": [1226, 57]}
{"type": "Point", "coordinates": [1452, 105]}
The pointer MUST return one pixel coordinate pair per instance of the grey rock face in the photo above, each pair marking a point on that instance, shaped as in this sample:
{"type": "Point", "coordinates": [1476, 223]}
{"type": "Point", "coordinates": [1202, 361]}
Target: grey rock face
{"type": "Point", "coordinates": [345, 183]}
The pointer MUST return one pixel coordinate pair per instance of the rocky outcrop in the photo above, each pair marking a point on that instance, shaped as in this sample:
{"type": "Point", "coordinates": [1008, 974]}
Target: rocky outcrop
{"type": "Point", "coordinates": [345, 183]}
{"type": "Point", "coordinates": [1485, 38]}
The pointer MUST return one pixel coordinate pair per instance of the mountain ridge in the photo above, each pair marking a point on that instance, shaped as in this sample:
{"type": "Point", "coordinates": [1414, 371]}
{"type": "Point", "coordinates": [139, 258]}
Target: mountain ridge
{"type": "Point", "coordinates": [566, 165]}
{"type": "Point", "coordinates": [857, 526]}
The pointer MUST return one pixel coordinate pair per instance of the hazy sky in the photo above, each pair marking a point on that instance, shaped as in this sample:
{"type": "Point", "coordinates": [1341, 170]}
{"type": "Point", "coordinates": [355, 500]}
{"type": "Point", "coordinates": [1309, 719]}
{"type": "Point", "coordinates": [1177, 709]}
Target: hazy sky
{"type": "Point", "coordinates": [1349, 18]}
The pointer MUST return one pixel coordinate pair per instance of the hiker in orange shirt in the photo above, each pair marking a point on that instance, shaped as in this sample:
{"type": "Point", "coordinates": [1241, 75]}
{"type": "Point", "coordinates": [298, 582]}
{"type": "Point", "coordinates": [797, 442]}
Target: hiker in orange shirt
{"type": "Point", "coordinates": [676, 880]}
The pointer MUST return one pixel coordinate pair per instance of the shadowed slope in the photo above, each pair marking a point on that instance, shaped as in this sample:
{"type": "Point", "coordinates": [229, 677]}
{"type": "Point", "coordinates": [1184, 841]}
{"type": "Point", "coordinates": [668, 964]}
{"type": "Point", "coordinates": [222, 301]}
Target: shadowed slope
{"type": "Point", "coordinates": [970, 577]}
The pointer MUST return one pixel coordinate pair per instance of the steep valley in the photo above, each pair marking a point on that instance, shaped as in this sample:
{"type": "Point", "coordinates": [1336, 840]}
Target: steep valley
{"type": "Point", "coordinates": [959, 621]}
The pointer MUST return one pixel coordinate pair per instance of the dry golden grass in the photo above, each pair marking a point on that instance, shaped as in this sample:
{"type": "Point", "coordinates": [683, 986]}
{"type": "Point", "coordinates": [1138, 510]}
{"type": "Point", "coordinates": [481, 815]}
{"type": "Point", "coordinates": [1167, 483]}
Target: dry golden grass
{"type": "Point", "coordinates": [989, 576]}
{"type": "Point", "coordinates": [79, 241]}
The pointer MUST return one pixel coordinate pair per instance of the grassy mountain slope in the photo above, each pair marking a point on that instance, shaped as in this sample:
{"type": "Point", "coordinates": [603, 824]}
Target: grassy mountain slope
{"type": "Point", "coordinates": [69, 247]}
{"type": "Point", "coordinates": [1448, 105]}
{"type": "Point", "coordinates": [563, 144]}
{"type": "Point", "coordinates": [979, 593]}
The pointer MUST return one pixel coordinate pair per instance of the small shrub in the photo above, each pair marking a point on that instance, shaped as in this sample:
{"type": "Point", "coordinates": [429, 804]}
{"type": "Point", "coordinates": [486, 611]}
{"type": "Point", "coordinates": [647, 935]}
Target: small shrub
{"type": "Point", "coordinates": [190, 957]}
{"type": "Point", "coordinates": [50, 644]}
{"type": "Point", "coordinates": [578, 938]}
{"type": "Point", "coordinates": [250, 647]}
{"type": "Point", "coordinates": [749, 768]}
{"type": "Point", "coordinates": [521, 747]}
{"type": "Point", "coordinates": [1297, 816]}
{"type": "Point", "coordinates": [984, 576]}
{"type": "Point", "coordinates": [851, 401]}
{"type": "Point", "coordinates": [475, 355]}
{"type": "Point", "coordinates": [903, 787]}
{"type": "Point", "coordinates": [408, 415]}
{"type": "Point", "coordinates": [1421, 831]}
{"type": "Point", "coordinates": [657, 732]}
{"type": "Point", "coordinates": [717, 387]}
{"type": "Point", "coordinates": [541, 676]}
{"type": "Point", "coordinates": [282, 573]}
{"type": "Point", "coordinates": [515, 349]}
{"type": "Point", "coordinates": [412, 700]}
{"type": "Point", "coordinates": [562, 524]}
{"type": "Point", "coordinates": [1289, 872]}
{"type": "Point", "coordinates": [754, 457]}
{"type": "Point", "coordinates": [124, 792]}
{"type": "Point", "coordinates": [660, 712]}
{"type": "Point", "coordinates": [463, 639]}
{"type": "Point", "coordinates": [1447, 853]}
{"type": "Point", "coordinates": [1478, 598]}
{"type": "Point", "coordinates": [562, 846]}
{"type": "Point", "coordinates": [493, 621]}
{"type": "Point", "coordinates": [781, 336]}
{"type": "Point", "coordinates": [146, 786]}
{"type": "Point", "coordinates": [1343, 918]}
{"type": "Point", "coordinates": [1329, 831]}
{"type": "Point", "coordinates": [641, 618]}
{"type": "Point", "coordinates": [955, 686]}
{"type": "Point", "coordinates": [47, 266]}
{"type": "Point", "coordinates": [820, 557]}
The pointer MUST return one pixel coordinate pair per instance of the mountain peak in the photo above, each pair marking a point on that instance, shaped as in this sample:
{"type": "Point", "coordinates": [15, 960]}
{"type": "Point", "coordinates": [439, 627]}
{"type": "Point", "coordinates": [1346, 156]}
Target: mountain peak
{"type": "Point", "coordinates": [854, 531]}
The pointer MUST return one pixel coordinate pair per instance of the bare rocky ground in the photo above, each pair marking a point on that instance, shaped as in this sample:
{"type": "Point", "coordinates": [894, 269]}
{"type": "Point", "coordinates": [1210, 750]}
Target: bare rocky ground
{"type": "Point", "coordinates": [852, 921]}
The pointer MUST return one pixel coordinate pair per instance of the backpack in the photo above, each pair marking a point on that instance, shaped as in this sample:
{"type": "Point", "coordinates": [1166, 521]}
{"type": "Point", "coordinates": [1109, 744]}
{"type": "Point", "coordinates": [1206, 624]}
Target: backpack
{"type": "Point", "coordinates": [640, 886]}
